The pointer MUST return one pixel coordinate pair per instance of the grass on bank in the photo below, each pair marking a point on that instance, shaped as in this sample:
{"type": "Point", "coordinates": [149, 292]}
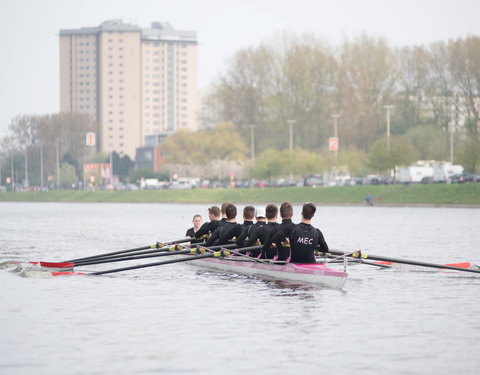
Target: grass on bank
{"type": "Point", "coordinates": [462, 194]}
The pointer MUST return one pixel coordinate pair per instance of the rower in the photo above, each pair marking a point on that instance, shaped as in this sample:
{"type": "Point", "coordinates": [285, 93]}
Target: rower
{"type": "Point", "coordinates": [277, 238]}
{"type": "Point", "coordinates": [197, 221]}
{"type": "Point", "coordinates": [224, 213]}
{"type": "Point", "coordinates": [228, 232]}
{"type": "Point", "coordinates": [304, 238]}
{"type": "Point", "coordinates": [208, 228]}
{"type": "Point", "coordinates": [261, 235]}
{"type": "Point", "coordinates": [249, 230]}
{"type": "Point", "coordinates": [248, 215]}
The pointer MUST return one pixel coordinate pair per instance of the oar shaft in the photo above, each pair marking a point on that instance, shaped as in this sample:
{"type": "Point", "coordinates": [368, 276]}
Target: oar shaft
{"type": "Point", "coordinates": [158, 245]}
{"type": "Point", "coordinates": [176, 260]}
{"type": "Point", "coordinates": [110, 254]}
{"type": "Point", "coordinates": [133, 257]}
{"type": "Point", "coordinates": [145, 255]}
{"type": "Point", "coordinates": [145, 252]}
{"type": "Point", "coordinates": [410, 262]}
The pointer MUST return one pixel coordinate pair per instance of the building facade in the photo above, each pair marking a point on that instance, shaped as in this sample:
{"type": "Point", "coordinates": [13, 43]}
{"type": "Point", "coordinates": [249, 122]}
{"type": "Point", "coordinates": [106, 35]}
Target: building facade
{"type": "Point", "coordinates": [135, 82]}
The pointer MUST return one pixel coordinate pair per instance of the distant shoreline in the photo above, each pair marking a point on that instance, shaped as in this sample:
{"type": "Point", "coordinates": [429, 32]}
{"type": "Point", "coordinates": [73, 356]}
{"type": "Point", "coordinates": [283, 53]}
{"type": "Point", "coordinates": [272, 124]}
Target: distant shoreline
{"type": "Point", "coordinates": [434, 195]}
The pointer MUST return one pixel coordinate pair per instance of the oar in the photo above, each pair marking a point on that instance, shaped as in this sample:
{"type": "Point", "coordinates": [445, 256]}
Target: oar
{"type": "Point", "coordinates": [216, 254]}
{"type": "Point", "coordinates": [360, 261]}
{"type": "Point", "coordinates": [362, 255]}
{"type": "Point", "coordinates": [139, 253]}
{"type": "Point", "coordinates": [157, 245]}
{"type": "Point", "coordinates": [175, 250]}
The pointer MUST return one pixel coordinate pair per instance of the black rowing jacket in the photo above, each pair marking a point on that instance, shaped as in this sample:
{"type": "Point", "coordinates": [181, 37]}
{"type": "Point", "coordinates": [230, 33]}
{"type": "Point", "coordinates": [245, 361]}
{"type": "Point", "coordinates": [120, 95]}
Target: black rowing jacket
{"type": "Point", "coordinates": [304, 239]}
{"type": "Point", "coordinates": [277, 236]}
{"type": "Point", "coordinates": [191, 233]}
{"type": "Point", "coordinates": [261, 234]}
{"type": "Point", "coordinates": [208, 228]}
{"type": "Point", "coordinates": [247, 232]}
{"type": "Point", "coordinates": [224, 234]}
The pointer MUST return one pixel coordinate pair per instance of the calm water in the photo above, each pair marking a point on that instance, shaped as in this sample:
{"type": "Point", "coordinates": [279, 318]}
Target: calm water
{"type": "Point", "coordinates": [180, 319]}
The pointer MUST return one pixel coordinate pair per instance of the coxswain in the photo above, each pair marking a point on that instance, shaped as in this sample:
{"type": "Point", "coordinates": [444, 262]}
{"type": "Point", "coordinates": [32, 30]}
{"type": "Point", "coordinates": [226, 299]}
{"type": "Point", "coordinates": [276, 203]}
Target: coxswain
{"type": "Point", "coordinates": [276, 243]}
{"type": "Point", "coordinates": [197, 222]}
{"type": "Point", "coordinates": [249, 230]}
{"type": "Point", "coordinates": [208, 228]}
{"type": "Point", "coordinates": [228, 232]}
{"type": "Point", "coordinates": [304, 238]}
{"type": "Point", "coordinates": [260, 236]}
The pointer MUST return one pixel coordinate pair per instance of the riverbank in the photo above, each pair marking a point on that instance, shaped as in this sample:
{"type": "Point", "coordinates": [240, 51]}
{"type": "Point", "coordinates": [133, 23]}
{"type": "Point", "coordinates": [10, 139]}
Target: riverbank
{"type": "Point", "coordinates": [435, 194]}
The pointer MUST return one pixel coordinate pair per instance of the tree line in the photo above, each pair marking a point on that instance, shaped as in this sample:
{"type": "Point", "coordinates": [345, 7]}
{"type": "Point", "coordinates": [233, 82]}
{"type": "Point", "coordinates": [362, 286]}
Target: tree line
{"type": "Point", "coordinates": [433, 89]}
{"type": "Point", "coordinates": [50, 151]}
{"type": "Point", "coordinates": [297, 82]}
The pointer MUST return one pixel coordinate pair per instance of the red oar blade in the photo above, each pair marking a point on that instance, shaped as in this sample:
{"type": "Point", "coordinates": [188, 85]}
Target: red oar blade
{"type": "Point", "coordinates": [57, 264]}
{"type": "Point", "coordinates": [66, 273]}
{"type": "Point", "coordinates": [466, 265]}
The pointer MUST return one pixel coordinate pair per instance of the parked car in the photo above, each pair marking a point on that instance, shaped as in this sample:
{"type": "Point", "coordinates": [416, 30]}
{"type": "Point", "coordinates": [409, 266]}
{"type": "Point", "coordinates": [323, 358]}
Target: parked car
{"type": "Point", "coordinates": [427, 180]}
{"type": "Point", "coordinates": [471, 177]}
{"type": "Point", "coordinates": [456, 178]}
{"type": "Point", "coordinates": [313, 181]}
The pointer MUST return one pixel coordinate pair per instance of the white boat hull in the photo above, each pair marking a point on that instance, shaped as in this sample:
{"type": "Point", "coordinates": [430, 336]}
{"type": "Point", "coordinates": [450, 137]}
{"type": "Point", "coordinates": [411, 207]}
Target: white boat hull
{"type": "Point", "coordinates": [316, 273]}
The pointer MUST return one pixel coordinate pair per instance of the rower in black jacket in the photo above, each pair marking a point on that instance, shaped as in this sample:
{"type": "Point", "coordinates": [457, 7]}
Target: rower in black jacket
{"type": "Point", "coordinates": [248, 231]}
{"type": "Point", "coordinates": [208, 228]}
{"type": "Point", "coordinates": [262, 233]}
{"type": "Point", "coordinates": [223, 209]}
{"type": "Point", "coordinates": [228, 232]}
{"type": "Point", "coordinates": [275, 246]}
{"type": "Point", "coordinates": [304, 238]}
{"type": "Point", "coordinates": [248, 215]}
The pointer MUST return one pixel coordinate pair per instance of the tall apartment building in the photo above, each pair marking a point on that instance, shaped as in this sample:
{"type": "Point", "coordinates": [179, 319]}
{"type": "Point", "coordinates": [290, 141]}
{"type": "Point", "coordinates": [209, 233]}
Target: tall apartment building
{"type": "Point", "coordinates": [135, 82]}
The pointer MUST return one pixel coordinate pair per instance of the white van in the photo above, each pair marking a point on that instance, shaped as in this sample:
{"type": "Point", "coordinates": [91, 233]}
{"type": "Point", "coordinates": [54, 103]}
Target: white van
{"type": "Point", "coordinates": [442, 172]}
{"type": "Point", "coordinates": [409, 175]}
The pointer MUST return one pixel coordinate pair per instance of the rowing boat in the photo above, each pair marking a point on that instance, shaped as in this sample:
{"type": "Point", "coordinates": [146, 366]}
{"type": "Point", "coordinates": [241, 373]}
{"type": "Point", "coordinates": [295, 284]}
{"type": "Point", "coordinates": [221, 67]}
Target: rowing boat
{"type": "Point", "coordinates": [316, 273]}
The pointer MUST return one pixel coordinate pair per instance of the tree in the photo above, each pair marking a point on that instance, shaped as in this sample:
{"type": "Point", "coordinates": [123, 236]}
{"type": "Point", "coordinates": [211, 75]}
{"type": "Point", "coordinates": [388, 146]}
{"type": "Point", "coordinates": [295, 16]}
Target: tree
{"type": "Point", "coordinates": [429, 141]}
{"type": "Point", "coordinates": [468, 154]}
{"type": "Point", "coordinates": [354, 159]}
{"type": "Point", "coordinates": [366, 81]}
{"type": "Point", "coordinates": [68, 176]}
{"type": "Point", "coordinates": [381, 159]}
{"type": "Point", "coordinates": [301, 163]}
{"type": "Point", "coordinates": [121, 164]}
{"type": "Point", "coordinates": [269, 164]}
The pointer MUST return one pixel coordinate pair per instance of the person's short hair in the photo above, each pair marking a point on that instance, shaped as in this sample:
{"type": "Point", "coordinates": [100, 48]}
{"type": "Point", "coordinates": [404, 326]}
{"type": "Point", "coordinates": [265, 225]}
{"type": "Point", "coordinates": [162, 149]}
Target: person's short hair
{"type": "Point", "coordinates": [249, 212]}
{"type": "Point", "coordinates": [308, 210]}
{"type": "Point", "coordinates": [195, 216]}
{"type": "Point", "coordinates": [215, 211]}
{"type": "Point", "coordinates": [224, 207]}
{"type": "Point", "coordinates": [231, 211]}
{"type": "Point", "coordinates": [286, 210]}
{"type": "Point", "coordinates": [271, 211]}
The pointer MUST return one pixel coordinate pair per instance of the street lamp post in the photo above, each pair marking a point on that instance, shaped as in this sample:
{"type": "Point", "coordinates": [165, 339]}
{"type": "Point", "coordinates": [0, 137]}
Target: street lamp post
{"type": "Point", "coordinates": [388, 108]}
{"type": "Point", "coordinates": [26, 167]}
{"type": "Point", "coordinates": [335, 130]}
{"type": "Point", "coordinates": [41, 166]}
{"type": "Point", "coordinates": [252, 140]}
{"type": "Point", "coordinates": [58, 167]}
{"type": "Point", "coordinates": [11, 174]}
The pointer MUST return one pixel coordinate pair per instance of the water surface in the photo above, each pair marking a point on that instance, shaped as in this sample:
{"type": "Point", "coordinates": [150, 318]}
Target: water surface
{"type": "Point", "coordinates": [181, 319]}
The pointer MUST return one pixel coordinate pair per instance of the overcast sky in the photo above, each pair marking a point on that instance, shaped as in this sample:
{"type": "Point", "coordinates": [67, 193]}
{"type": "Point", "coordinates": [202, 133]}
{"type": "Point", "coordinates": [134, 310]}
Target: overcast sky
{"type": "Point", "coordinates": [29, 62]}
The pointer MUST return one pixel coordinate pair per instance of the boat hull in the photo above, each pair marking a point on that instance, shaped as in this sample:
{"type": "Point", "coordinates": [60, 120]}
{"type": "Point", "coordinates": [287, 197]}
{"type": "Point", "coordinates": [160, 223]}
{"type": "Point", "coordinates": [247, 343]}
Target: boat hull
{"type": "Point", "coordinates": [316, 273]}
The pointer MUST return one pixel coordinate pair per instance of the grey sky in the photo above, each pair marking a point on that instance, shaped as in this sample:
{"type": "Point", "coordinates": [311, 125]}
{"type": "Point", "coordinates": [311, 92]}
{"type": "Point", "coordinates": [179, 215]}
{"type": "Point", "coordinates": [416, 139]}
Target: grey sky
{"type": "Point", "coordinates": [29, 79]}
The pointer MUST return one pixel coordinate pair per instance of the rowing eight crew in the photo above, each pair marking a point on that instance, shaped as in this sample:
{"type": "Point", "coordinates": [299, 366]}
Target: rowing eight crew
{"type": "Point", "coordinates": [295, 243]}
